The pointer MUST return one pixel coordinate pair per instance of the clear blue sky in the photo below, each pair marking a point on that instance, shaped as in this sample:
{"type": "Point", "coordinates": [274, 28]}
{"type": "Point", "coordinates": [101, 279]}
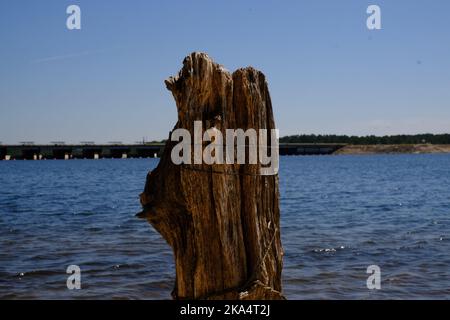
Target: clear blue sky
{"type": "Point", "coordinates": [328, 74]}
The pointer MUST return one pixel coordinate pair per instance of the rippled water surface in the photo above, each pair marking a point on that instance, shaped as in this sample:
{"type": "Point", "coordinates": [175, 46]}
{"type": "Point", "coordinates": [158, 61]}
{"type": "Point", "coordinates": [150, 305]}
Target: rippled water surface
{"type": "Point", "coordinates": [340, 214]}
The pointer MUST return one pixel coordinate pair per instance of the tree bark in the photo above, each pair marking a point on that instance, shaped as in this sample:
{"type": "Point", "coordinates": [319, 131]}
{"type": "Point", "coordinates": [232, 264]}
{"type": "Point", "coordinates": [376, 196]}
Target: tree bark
{"type": "Point", "coordinates": [222, 220]}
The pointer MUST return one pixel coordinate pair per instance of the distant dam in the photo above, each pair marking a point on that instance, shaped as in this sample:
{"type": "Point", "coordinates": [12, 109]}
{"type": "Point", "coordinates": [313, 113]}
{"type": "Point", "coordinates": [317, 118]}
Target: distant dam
{"type": "Point", "coordinates": [149, 150]}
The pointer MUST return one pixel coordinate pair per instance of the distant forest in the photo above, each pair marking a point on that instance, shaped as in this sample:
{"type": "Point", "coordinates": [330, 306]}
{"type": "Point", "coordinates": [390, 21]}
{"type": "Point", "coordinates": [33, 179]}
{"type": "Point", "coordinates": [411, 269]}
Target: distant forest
{"type": "Point", "coordinates": [369, 140]}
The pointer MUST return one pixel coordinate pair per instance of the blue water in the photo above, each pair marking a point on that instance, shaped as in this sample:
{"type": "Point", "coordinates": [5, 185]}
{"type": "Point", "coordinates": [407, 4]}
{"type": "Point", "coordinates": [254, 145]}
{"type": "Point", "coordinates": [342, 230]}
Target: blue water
{"type": "Point", "coordinates": [340, 214]}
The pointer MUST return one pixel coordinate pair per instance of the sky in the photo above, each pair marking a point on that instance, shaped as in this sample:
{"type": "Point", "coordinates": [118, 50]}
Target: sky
{"type": "Point", "coordinates": [327, 72]}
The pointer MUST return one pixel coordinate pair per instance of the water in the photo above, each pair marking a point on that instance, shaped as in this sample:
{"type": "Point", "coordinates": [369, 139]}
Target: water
{"type": "Point", "coordinates": [340, 214]}
{"type": "Point", "coordinates": [344, 213]}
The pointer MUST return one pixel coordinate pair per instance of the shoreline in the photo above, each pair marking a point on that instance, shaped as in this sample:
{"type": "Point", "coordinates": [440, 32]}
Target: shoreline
{"type": "Point", "coordinates": [393, 149]}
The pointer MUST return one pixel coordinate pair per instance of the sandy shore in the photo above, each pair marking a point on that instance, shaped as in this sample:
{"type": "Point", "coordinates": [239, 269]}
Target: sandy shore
{"type": "Point", "coordinates": [394, 148]}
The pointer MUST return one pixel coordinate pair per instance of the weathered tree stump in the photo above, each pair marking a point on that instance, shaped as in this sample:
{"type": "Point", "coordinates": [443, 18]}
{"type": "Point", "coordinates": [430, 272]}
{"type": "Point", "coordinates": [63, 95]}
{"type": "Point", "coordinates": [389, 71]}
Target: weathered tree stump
{"type": "Point", "coordinates": [222, 220]}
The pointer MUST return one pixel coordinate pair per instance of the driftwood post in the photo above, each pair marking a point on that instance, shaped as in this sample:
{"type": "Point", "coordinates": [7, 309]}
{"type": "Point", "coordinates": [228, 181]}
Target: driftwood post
{"type": "Point", "coordinates": [222, 220]}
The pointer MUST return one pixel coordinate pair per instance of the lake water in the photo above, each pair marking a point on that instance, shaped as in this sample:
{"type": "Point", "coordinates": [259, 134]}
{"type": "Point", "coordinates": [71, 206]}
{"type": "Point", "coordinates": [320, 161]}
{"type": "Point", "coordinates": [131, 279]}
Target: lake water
{"type": "Point", "coordinates": [339, 215]}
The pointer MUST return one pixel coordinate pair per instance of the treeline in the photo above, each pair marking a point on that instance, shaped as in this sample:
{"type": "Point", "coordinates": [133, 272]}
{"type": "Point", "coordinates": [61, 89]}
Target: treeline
{"type": "Point", "coordinates": [369, 140]}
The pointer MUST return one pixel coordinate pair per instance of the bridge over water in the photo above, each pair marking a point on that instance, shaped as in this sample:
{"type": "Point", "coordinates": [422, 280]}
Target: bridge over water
{"type": "Point", "coordinates": [150, 150]}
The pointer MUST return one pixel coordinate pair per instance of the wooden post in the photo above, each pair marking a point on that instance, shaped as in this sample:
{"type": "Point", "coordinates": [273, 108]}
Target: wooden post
{"type": "Point", "coordinates": [222, 220]}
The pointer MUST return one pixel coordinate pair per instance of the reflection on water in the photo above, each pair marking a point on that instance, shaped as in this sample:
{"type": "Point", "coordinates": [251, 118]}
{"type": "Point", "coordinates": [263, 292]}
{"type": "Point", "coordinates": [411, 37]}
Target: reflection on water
{"type": "Point", "coordinates": [340, 214]}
